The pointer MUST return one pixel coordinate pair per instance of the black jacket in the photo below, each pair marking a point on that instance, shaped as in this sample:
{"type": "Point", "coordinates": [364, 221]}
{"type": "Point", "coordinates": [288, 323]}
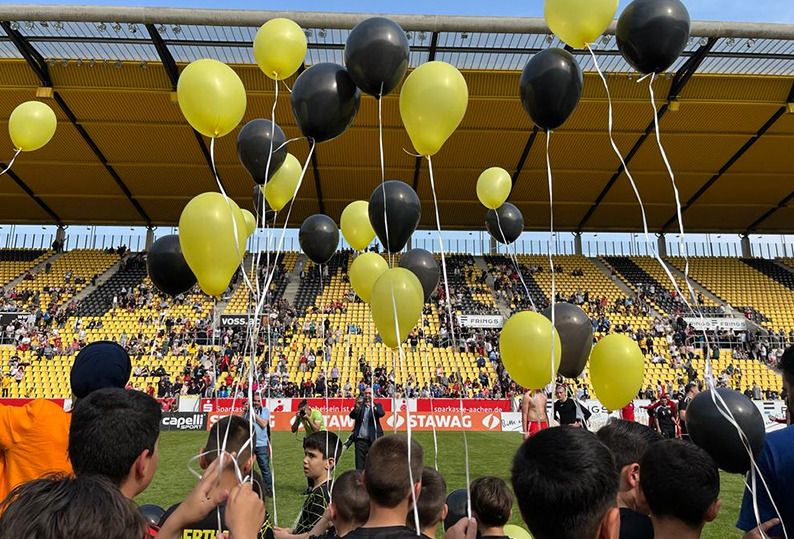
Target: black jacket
{"type": "Point", "coordinates": [358, 413]}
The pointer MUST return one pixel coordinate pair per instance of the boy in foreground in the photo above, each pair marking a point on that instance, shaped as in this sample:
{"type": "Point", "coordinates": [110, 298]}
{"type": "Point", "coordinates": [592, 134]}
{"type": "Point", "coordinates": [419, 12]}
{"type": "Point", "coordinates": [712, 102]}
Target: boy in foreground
{"type": "Point", "coordinates": [491, 506]}
{"type": "Point", "coordinates": [431, 505]}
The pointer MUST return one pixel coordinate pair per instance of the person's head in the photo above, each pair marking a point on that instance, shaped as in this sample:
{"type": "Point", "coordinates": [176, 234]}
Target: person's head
{"type": "Point", "coordinates": [386, 471]}
{"type": "Point", "coordinates": [566, 485]}
{"type": "Point", "coordinates": [691, 389]}
{"type": "Point", "coordinates": [664, 399]}
{"type": "Point", "coordinates": [234, 431]}
{"type": "Point", "coordinates": [560, 393]}
{"type": "Point", "coordinates": [257, 400]}
{"type": "Point", "coordinates": [349, 507]}
{"type": "Point", "coordinates": [681, 483]}
{"type": "Point", "coordinates": [101, 364]}
{"type": "Point", "coordinates": [628, 441]}
{"type": "Point", "coordinates": [115, 434]}
{"type": "Point", "coordinates": [491, 502]}
{"type": "Point", "coordinates": [367, 396]}
{"type": "Point", "coordinates": [60, 507]}
{"type": "Point", "coordinates": [303, 406]}
{"type": "Point", "coordinates": [321, 450]}
{"type": "Point", "coordinates": [430, 506]}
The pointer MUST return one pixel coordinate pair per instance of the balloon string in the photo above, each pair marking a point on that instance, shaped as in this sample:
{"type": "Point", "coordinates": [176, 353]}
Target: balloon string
{"type": "Point", "coordinates": [551, 260]}
{"type": "Point", "coordinates": [11, 163]}
{"type": "Point", "coordinates": [451, 325]}
{"type": "Point", "coordinates": [286, 85]}
{"type": "Point", "coordinates": [514, 259]}
{"type": "Point", "coordinates": [231, 212]}
{"type": "Point", "coordinates": [286, 221]}
{"type": "Point", "coordinates": [432, 406]}
{"type": "Point", "coordinates": [407, 412]}
{"type": "Point", "coordinates": [682, 237]}
{"type": "Point", "coordinates": [383, 172]}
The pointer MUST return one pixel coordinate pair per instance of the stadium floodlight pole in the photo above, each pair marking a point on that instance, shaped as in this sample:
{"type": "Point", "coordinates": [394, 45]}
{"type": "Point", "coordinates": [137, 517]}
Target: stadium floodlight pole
{"type": "Point", "coordinates": [432, 23]}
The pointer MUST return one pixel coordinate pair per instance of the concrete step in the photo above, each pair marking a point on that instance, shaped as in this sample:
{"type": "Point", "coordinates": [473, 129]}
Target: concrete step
{"type": "Point", "coordinates": [504, 308]}
{"type": "Point", "coordinates": [625, 288]}
{"type": "Point", "coordinates": [35, 269]}
{"type": "Point", "coordinates": [99, 282]}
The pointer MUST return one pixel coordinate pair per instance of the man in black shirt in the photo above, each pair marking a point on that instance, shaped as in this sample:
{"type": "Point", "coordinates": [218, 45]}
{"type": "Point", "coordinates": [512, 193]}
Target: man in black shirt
{"type": "Point", "coordinates": [393, 486]}
{"type": "Point", "coordinates": [690, 392]}
{"type": "Point", "coordinates": [565, 408]}
{"type": "Point", "coordinates": [628, 442]}
{"type": "Point", "coordinates": [665, 421]}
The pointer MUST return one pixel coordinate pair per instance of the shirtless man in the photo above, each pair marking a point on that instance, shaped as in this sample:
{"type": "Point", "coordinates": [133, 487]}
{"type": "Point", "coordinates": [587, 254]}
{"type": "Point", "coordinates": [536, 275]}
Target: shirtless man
{"type": "Point", "coordinates": [533, 413]}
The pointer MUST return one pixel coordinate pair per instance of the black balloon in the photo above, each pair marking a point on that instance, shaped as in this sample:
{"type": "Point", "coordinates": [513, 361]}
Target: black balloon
{"type": "Point", "coordinates": [319, 237]}
{"type": "Point", "coordinates": [423, 264]}
{"type": "Point", "coordinates": [403, 211]}
{"type": "Point", "coordinates": [259, 199]}
{"type": "Point", "coordinates": [652, 34]}
{"type": "Point", "coordinates": [551, 86]}
{"type": "Point", "coordinates": [167, 267]}
{"type": "Point", "coordinates": [457, 507]}
{"type": "Point", "coordinates": [714, 433]}
{"type": "Point", "coordinates": [509, 219]}
{"type": "Point", "coordinates": [152, 513]}
{"type": "Point", "coordinates": [576, 335]}
{"type": "Point", "coordinates": [376, 55]}
{"type": "Point", "coordinates": [324, 101]}
{"type": "Point", "coordinates": [253, 146]}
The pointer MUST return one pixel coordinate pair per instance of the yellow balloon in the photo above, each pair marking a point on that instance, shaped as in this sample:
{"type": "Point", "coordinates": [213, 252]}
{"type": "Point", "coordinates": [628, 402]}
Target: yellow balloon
{"type": "Point", "coordinates": [279, 48]}
{"type": "Point", "coordinates": [280, 189]}
{"type": "Point", "coordinates": [617, 368]}
{"type": "Point", "coordinates": [31, 125]}
{"type": "Point", "coordinates": [433, 101]}
{"type": "Point", "coordinates": [397, 289]}
{"type": "Point", "coordinates": [579, 22]}
{"type": "Point", "coordinates": [355, 225]}
{"type": "Point", "coordinates": [525, 345]}
{"type": "Point", "coordinates": [212, 237]}
{"type": "Point", "coordinates": [211, 96]}
{"type": "Point", "coordinates": [493, 187]}
{"type": "Point", "coordinates": [364, 271]}
{"type": "Point", "coordinates": [250, 222]}
{"type": "Point", "coordinates": [516, 532]}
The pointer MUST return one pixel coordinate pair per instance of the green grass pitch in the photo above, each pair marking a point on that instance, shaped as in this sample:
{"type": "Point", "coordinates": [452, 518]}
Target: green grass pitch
{"type": "Point", "coordinates": [489, 454]}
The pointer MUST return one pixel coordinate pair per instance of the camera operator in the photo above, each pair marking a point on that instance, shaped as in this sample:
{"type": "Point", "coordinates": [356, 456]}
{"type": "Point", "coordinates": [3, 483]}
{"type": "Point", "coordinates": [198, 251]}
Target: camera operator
{"type": "Point", "coordinates": [262, 451]}
{"type": "Point", "coordinates": [367, 427]}
{"type": "Point", "coordinates": [313, 421]}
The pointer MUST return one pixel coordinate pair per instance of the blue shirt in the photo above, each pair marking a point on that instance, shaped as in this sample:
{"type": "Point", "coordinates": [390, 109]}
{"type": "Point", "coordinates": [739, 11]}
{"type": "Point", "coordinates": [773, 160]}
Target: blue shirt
{"type": "Point", "coordinates": [261, 432]}
{"type": "Point", "coordinates": [776, 464]}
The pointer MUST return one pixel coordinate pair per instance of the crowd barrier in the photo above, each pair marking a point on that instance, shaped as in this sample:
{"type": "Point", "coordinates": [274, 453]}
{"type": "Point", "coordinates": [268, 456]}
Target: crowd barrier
{"type": "Point", "coordinates": [476, 415]}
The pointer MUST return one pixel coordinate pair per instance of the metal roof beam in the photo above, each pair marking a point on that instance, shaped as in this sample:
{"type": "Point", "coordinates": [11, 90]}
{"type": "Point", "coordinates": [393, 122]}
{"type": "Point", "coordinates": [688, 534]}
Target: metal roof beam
{"type": "Point", "coordinates": [524, 154]}
{"type": "Point", "coordinates": [681, 79]}
{"type": "Point", "coordinates": [37, 64]}
{"type": "Point", "coordinates": [102, 159]}
{"type": "Point", "coordinates": [30, 54]}
{"type": "Point", "coordinates": [346, 21]}
{"type": "Point", "coordinates": [172, 71]}
{"type": "Point", "coordinates": [317, 183]}
{"type": "Point", "coordinates": [431, 55]}
{"type": "Point", "coordinates": [31, 194]}
{"type": "Point", "coordinates": [165, 55]}
{"type": "Point", "coordinates": [783, 203]}
{"type": "Point", "coordinates": [735, 157]}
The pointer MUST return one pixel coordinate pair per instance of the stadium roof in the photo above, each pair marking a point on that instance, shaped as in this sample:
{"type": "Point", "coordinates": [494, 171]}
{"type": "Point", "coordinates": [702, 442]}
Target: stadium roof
{"type": "Point", "coordinates": [123, 153]}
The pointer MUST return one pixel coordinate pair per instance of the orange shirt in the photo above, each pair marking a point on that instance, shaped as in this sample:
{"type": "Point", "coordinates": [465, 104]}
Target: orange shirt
{"type": "Point", "coordinates": [34, 441]}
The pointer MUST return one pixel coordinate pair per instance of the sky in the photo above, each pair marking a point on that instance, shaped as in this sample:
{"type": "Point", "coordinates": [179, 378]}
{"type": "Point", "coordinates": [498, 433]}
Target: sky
{"type": "Point", "coordinates": [779, 11]}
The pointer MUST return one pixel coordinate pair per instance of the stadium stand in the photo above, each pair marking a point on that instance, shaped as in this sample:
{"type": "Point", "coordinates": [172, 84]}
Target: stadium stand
{"type": "Point", "coordinates": [179, 338]}
{"type": "Point", "coordinates": [14, 262]}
